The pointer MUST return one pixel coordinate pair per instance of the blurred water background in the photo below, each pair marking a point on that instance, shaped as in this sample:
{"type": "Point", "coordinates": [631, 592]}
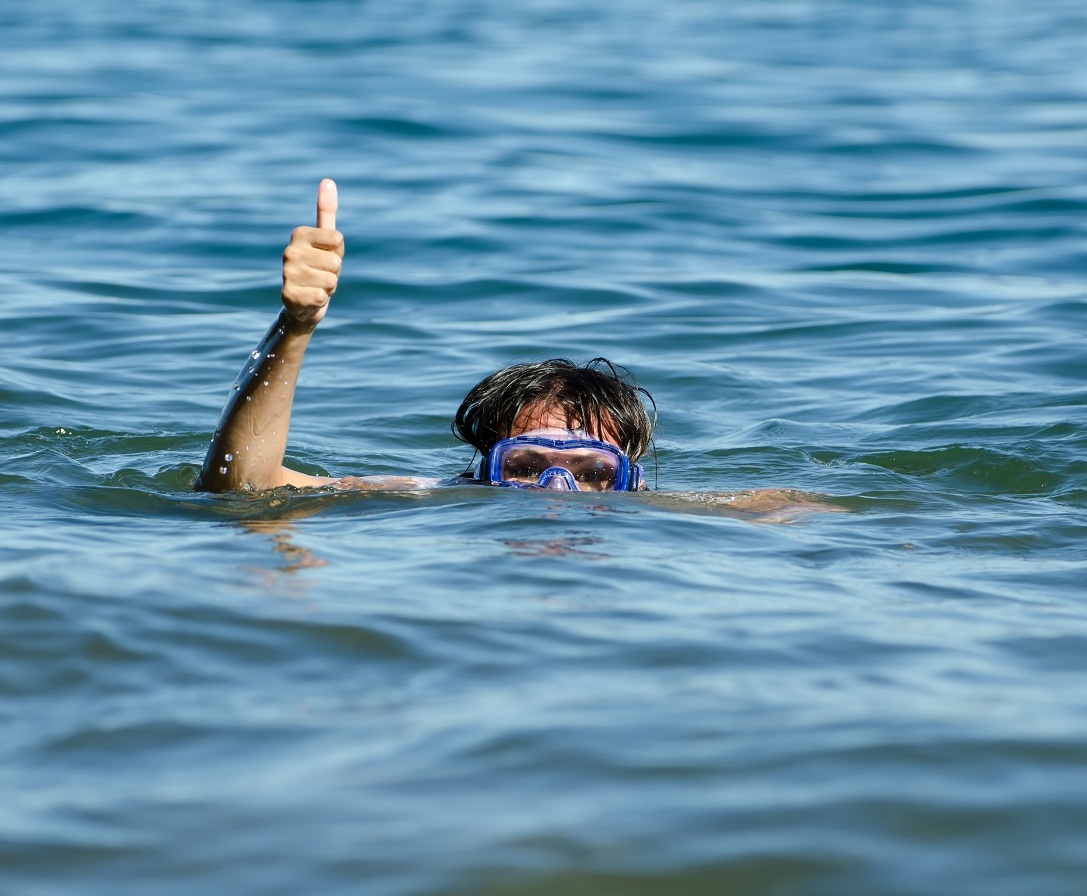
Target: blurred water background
{"type": "Point", "coordinates": [843, 245]}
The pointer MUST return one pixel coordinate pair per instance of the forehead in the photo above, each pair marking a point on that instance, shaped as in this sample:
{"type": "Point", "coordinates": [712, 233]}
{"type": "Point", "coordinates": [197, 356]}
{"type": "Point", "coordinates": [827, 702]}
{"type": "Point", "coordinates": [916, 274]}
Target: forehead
{"type": "Point", "coordinates": [553, 422]}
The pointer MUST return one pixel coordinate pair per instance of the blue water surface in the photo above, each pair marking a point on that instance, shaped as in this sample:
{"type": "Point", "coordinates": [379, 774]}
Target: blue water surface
{"type": "Point", "coordinates": [842, 244]}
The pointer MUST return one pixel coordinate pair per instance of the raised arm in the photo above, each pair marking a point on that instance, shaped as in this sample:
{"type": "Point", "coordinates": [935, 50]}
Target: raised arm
{"type": "Point", "coordinates": [250, 441]}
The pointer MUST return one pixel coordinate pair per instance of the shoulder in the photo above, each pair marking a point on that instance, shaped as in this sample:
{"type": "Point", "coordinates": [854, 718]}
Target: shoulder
{"type": "Point", "coordinates": [771, 505]}
{"type": "Point", "coordinates": [385, 483]}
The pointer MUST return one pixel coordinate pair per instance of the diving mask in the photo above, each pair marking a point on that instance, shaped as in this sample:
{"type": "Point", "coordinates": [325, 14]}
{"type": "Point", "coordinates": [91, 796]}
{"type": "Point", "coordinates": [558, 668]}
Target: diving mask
{"type": "Point", "coordinates": [574, 463]}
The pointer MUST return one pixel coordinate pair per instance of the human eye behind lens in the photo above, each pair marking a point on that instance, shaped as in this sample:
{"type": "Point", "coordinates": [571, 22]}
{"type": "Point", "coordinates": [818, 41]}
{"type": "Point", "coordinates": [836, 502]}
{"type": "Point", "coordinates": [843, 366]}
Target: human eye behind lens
{"type": "Point", "coordinates": [523, 465]}
{"type": "Point", "coordinates": [597, 477]}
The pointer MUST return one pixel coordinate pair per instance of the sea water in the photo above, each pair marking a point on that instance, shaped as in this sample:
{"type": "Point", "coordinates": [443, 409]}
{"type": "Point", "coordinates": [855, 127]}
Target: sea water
{"type": "Point", "coordinates": [841, 243]}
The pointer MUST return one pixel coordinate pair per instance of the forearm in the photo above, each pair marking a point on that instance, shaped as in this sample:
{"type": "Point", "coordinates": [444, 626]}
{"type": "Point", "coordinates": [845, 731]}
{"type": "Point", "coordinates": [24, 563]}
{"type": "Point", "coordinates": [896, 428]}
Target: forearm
{"type": "Point", "coordinates": [249, 444]}
{"type": "Point", "coordinates": [251, 438]}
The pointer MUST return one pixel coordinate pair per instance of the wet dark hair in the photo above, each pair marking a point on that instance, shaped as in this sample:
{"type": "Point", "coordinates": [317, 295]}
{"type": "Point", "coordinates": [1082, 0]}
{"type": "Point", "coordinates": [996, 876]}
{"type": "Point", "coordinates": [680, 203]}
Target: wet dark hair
{"type": "Point", "coordinates": [597, 396]}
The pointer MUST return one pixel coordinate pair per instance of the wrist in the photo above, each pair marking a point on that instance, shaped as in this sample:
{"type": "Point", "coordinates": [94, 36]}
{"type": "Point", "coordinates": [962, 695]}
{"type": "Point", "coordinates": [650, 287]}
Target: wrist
{"type": "Point", "coordinates": [295, 326]}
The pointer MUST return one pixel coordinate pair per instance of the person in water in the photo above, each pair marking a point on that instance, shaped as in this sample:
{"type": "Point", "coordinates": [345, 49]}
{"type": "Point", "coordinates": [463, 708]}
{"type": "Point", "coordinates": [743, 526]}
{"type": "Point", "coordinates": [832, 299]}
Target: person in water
{"type": "Point", "coordinates": [546, 425]}
{"type": "Point", "coordinates": [551, 424]}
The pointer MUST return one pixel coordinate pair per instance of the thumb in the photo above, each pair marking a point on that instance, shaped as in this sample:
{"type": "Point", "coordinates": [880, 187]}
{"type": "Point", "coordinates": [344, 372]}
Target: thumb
{"type": "Point", "coordinates": [327, 204]}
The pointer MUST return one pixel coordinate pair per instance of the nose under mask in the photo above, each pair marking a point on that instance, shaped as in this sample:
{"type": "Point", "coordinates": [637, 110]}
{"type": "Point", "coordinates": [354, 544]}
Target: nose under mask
{"type": "Point", "coordinates": [557, 478]}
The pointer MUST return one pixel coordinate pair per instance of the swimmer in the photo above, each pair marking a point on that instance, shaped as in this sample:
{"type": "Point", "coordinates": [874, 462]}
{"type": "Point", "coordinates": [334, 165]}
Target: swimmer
{"type": "Point", "coordinates": [547, 425]}
{"type": "Point", "coordinates": [551, 424]}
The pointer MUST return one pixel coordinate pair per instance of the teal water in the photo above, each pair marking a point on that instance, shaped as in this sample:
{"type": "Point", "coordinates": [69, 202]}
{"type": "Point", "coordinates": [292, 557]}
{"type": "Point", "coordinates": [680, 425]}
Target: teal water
{"type": "Point", "coordinates": [841, 243]}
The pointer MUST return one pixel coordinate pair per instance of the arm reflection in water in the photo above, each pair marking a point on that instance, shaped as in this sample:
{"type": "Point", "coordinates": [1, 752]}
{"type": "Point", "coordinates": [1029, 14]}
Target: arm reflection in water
{"type": "Point", "coordinates": [296, 558]}
{"type": "Point", "coordinates": [547, 425]}
{"type": "Point", "coordinates": [557, 547]}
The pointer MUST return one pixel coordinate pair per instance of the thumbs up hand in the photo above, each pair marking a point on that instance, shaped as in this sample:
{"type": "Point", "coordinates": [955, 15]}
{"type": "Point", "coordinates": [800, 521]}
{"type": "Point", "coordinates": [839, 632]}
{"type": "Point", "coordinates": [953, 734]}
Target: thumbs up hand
{"type": "Point", "coordinates": [312, 262]}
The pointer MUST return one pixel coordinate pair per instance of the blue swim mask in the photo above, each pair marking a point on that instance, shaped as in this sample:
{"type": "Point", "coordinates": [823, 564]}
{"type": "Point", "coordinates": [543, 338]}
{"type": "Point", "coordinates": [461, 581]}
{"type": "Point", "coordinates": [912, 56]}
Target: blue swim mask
{"type": "Point", "coordinates": [576, 464]}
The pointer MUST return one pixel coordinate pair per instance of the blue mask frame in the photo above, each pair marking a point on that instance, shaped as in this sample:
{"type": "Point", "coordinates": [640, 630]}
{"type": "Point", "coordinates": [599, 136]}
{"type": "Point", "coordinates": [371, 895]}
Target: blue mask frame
{"type": "Point", "coordinates": [628, 476]}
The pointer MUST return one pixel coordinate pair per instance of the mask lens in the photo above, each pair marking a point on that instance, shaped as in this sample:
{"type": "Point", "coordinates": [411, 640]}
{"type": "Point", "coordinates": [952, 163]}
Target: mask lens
{"type": "Point", "coordinates": [523, 464]}
{"type": "Point", "coordinates": [594, 467]}
{"type": "Point", "coordinates": [594, 471]}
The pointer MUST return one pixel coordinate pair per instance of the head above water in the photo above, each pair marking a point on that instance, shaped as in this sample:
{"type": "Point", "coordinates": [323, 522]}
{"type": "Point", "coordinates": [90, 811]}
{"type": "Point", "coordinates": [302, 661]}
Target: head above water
{"type": "Point", "coordinates": [597, 397]}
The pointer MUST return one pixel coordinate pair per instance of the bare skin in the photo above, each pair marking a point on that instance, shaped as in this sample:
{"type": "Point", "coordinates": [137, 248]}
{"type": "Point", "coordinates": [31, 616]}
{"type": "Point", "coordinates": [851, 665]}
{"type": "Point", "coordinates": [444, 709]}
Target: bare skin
{"type": "Point", "coordinates": [251, 439]}
{"type": "Point", "coordinates": [250, 442]}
